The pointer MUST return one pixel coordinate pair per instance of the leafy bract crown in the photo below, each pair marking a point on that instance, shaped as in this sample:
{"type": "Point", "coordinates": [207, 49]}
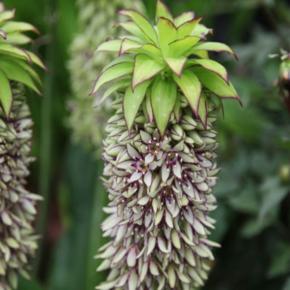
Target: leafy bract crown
{"type": "Point", "coordinates": [159, 63]}
{"type": "Point", "coordinates": [15, 62]}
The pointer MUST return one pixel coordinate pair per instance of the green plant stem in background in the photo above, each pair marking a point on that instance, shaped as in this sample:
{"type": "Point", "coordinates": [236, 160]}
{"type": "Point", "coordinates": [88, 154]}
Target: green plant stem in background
{"type": "Point", "coordinates": [46, 127]}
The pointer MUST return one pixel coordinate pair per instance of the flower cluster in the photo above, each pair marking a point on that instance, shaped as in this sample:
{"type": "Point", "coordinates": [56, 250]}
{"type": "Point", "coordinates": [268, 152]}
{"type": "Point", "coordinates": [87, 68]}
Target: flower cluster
{"type": "Point", "coordinates": [160, 191]}
{"type": "Point", "coordinates": [17, 205]}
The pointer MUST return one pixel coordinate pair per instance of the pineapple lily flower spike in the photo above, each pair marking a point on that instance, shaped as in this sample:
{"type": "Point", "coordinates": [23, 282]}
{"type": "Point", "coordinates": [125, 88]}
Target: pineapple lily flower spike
{"type": "Point", "coordinates": [18, 242]}
{"type": "Point", "coordinates": [160, 152]}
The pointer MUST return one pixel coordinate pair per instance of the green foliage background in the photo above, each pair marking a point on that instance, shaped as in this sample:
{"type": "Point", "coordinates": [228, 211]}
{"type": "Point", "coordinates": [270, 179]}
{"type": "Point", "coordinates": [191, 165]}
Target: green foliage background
{"type": "Point", "coordinates": [254, 212]}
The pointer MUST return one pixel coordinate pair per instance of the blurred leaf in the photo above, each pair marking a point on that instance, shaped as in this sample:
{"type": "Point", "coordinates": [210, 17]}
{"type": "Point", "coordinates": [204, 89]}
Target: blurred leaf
{"type": "Point", "coordinates": [272, 195]}
{"type": "Point", "coordinates": [280, 263]}
{"type": "Point", "coordinates": [28, 285]}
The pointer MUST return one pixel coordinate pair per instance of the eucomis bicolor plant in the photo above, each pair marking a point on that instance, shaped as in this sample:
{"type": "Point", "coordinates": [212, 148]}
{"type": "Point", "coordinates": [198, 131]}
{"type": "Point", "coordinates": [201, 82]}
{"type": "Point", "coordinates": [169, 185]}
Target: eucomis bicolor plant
{"type": "Point", "coordinates": [18, 242]}
{"type": "Point", "coordinates": [96, 21]}
{"type": "Point", "coordinates": [159, 152]}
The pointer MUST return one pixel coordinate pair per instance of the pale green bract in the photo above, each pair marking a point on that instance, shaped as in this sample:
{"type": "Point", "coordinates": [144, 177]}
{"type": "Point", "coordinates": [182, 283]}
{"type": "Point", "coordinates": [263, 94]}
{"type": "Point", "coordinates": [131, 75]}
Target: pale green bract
{"type": "Point", "coordinates": [15, 61]}
{"type": "Point", "coordinates": [174, 50]}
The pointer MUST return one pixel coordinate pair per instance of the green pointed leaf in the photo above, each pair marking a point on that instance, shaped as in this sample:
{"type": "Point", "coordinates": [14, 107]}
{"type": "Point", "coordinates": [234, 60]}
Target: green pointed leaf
{"type": "Point", "coordinates": [142, 23]}
{"type": "Point", "coordinates": [201, 31]}
{"type": "Point", "coordinates": [215, 83]}
{"type": "Point", "coordinates": [27, 67]}
{"type": "Point", "coordinates": [5, 93]}
{"type": "Point", "coordinates": [6, 15]}
{"type": "Point", "coordinates": [182, 47]}
{"type": "Point", "coordinates": [133, 101]}
{"type": "Point", "coordinates": [112, 89]}
{"type": "Point", "coordinates": [128, 45]}
{"type": "Point", "coordinates": [176, 64]}
{"type": "Point", "coordinates": [214, 46]}
{"type": "Point", "coordinates": [120, 59]}
{"type": "Point", "coordinates": [162, 11]}
{"type": "Point", "coordinates": [187, 28]}
{"type": "Point", "coordinates": [110, 46]}
{"type": "Point", "coordinates": [15, 72]}
{"type": "Point", "coordinates": [151, 50]}
{"type": "Point", "coordinates": [213, 66]}
{"type": "Point", "coordinates": [202, 110]}
{"type": "Point", "coordinates": [132, 28]}
{"type": "Point", "coordinates": [18, 38]}
{"type": "Point", "coordinates": [167, 33]}
{"type": "Point", "coordinates": [35, 59]}
{"type": "Point", "coordinates": [163, 97]}
{"type": "Point", "coordinates": [144, 69]}
{"type": "Point", "coordinates": [184, 17]}
{"type": "Point", "coordinates": [119, 45]}
{"type": "Point", "coordinates": [191, 88]}
{"type": "Point", "coordinates": [17, 26]}
{"type": "Point", "coordinates": [11, 50]}
{"type": "Point", "coordinates": [112, 73]}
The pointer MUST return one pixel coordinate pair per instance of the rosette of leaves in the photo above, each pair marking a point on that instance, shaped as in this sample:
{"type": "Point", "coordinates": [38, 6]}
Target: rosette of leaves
{"type": "Point", "coordinates": [159, 153]}
{"type": "Point", "coordinates": [17, 205]}
{"type": "Point", "coordinates": [96, 22]}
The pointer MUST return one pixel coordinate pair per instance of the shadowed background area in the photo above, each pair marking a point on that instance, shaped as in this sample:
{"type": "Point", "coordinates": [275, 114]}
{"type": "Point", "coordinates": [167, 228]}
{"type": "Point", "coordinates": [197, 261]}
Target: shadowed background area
{"type": "Point", "coordinates": [254, 185]}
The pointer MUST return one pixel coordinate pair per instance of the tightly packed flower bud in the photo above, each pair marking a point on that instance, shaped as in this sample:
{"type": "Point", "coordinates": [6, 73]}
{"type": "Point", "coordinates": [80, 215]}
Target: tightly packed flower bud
{"type": "Point", "coordinates": [160, 191]}
{"type": "Point", "coordinates": [97, 21]}
{"type": "Point", "coordinates": [17, 204]}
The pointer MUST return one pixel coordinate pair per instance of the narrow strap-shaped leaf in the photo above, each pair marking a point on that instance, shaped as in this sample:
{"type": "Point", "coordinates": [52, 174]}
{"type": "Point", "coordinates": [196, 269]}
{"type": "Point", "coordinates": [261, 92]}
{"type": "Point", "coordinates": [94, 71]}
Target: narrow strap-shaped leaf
{"type": "Point", "coordinates": [163, 97]}
{"type": "Point", "coordinates": [29, 70]}
{"type": "Point", "coordinates": [190, 87]}
{"type": "Point", "coordinates": [15, 72]}
{"type": "Point", "coordinates": [17, 26]}
{"type": "Point", "coordinates": [110, 45]}
{"type": "Point", "coordinates": [142, 23]}
{"type": "Point", "coordinates": [176, 64]}
{"type": "Point", "coordinates": [112, 89]}
{"type": "Point", "coordinates": [120, 59]}
{"type": "Point", "coordinates": [133, 101]}
{"type": "Point", "coordinates": [35, 59]}
{"type": "Point", "coordinates": [151, 50]}
{"type": "Point", "coordinates": [128, 45]}
{"type": "Point", "coordinates": [6, 15]}
{"type": "Point", "coordinates": [9, 49]}
{"type": "Point", "coordinates": [132, 28]}
{"type": "Point", "coordinates": [167, 33]}
{"type": "Point", "coordinates": [213, 66]}
{"type": "Point", "coordinates": [184, 17]}
{"type": "Point", "coordinates": [112, 73]}
{"type": "Point", "coordinates": [18, 38]}
{"type": "Point", "coordinates": [144, 69]}
{"type": "Point", "coordinates": [5, 93]}
{"type": "Point", "coordinates": [214, 46]}
{"type": "Point", "coordinates": [162, 11]}
{"type": "Point", "coordinates": [119, 45]}
{"type": "Point", "coordinates": [201, 31]}
{"type": "Point", "coordinates": [215, 84]}
{"type": "Point", "coordinates": [188, 27]}
{"type": "Point", "coordinates": [183, 46]}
